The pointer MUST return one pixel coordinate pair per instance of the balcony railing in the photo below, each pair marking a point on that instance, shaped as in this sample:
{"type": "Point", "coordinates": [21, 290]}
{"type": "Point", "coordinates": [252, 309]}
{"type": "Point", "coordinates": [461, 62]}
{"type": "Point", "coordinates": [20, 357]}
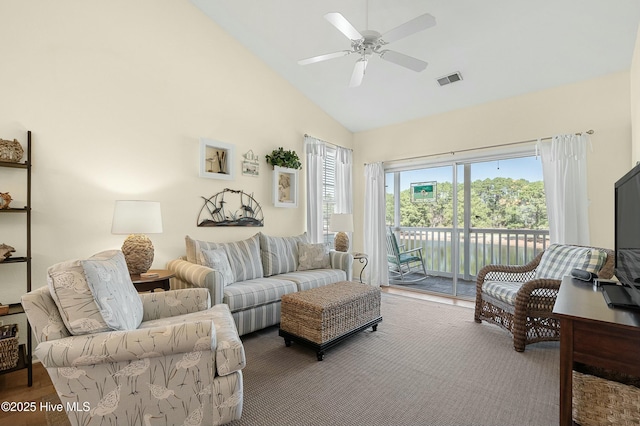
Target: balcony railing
{"type": "Point", "coordinates": [478, 247]}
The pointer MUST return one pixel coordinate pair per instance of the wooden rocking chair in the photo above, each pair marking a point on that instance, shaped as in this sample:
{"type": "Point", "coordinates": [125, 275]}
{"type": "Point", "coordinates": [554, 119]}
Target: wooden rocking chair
{"type": "Point", "coordinates": [400, 260]}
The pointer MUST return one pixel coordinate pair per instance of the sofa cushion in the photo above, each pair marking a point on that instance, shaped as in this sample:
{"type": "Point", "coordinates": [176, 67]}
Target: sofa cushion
{"type": "Point", "coordinates": [280, 254]}
{"type": "Point", "coordinates": [248, 294]}
{"type": "Point", "coordinates": [306, 280]}
{"type": "Point", "coordinates": [217, 259]}
{"type": "Point", "coordinates": [313, 256]}
{"type": "Point", "coordinates": [558, 260]}
{"type": "Point", "coordinates": [110, 283]}
{"type": "Point", "coordinates": [244, 256]}
{"type": "Point", "coordinates": [71, 293]}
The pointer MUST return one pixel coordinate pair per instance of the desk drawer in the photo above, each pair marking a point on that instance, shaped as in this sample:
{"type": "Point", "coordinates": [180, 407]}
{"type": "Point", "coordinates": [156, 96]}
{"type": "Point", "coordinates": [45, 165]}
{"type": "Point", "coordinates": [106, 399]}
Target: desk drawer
{"type": "Point", "coordinates": [608, 346]}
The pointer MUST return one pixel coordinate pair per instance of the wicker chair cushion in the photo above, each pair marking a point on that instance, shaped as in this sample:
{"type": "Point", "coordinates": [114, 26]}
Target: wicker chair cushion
{"type": "Point", "coordinates": [502, 290]}
{"type": "Point", "coordinates": [558, 260]}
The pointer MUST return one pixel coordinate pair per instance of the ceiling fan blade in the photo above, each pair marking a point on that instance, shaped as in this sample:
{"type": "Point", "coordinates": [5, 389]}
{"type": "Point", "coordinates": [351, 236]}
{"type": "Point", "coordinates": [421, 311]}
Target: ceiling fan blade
{"type": "Point", "coordinates": [344, 26]}
{"type": "Point", "coordinates": [419, 23]}
{"type": "Point", "coordinates": [358, 72]}
{"type": "Point", "coordinates": [403, 60]}
{"type": "Point", "coordinates": [324, 57]}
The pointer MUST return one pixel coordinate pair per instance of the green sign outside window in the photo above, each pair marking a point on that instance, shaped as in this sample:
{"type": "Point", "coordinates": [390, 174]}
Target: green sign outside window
{"type": "Point", "coordinates": [423, 191]}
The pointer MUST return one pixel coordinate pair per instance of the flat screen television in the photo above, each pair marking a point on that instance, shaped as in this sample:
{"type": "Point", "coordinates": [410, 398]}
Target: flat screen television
{"type": "Point", "coordinates": [627, 230]}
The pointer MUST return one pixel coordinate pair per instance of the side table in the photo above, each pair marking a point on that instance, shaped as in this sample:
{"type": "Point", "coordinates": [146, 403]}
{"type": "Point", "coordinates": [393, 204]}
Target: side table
{"type": "Point", "coordinates": [362, 258]}
{"type": "Point", "coordinates": [150, 284]}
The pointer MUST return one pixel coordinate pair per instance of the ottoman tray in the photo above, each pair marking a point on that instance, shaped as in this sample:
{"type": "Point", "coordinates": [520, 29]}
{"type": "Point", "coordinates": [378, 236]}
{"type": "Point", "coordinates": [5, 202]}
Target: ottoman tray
{"type": "Point", "coordinates": [325, 316]}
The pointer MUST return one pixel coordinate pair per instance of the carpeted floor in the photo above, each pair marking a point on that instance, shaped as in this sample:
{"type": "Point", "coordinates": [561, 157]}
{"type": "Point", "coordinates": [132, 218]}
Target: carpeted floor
{"type": "Point", "coordinates": [428, 364]}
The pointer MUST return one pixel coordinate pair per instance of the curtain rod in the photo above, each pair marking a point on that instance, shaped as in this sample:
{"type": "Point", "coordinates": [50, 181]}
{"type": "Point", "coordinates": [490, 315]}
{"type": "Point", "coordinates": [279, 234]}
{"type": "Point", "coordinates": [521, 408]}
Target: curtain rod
{"type": "Point", "coordinates": [589, 132]}
{"type": "Point", "coordinates": [323, 141]}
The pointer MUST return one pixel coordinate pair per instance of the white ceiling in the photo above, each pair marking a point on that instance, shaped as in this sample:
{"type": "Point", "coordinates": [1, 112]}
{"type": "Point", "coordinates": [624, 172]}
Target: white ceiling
{"type": "Point", "coordinates": [502, 48]}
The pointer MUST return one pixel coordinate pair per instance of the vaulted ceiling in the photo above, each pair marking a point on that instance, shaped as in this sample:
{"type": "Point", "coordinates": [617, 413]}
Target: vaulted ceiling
{"type": "Point", "coordinates": [502, 48]}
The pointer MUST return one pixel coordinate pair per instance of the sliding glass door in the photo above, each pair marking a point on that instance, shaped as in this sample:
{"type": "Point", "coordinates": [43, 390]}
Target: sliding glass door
{"type": "Point", "coordinates": [464, 215]}
{"type": "Point", "coordinates": [420, 211]}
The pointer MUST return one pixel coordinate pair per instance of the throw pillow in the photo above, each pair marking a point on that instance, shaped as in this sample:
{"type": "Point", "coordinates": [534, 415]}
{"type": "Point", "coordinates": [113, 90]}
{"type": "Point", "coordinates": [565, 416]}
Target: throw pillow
{"type": "Point", "coordinates": [244, 256]}
{"type": "Point", "coordinates": [558, 260]}
{"type": "Point", "coordinates": [195, 247]}
{"type": "Point", "coordinates": [71, 293]}
{"type": "Point", "coordinates": [280, 254]}
{"type": "Point", "coordinates": [113, 291]}
{"type": "Point", "coordinates": [313, 256]}
{"type": "Point", "coordinates": [218, 260]}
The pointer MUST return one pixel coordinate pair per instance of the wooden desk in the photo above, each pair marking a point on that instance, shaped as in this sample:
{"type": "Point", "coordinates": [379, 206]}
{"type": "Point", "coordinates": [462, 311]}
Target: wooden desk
{"type": "Point", "coordinates": [150, 284]}
{"type": "Point", "coordinates": [593, 334]}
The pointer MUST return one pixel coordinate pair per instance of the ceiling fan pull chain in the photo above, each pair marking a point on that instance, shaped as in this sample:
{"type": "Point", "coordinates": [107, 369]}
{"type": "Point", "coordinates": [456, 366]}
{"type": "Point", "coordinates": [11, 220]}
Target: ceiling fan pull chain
{"type": "Point", "coordinates": [366, 21]}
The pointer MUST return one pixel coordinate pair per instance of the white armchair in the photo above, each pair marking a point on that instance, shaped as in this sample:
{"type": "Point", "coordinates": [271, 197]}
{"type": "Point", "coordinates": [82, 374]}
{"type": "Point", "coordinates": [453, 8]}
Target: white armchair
{"type": "Point", "coordinates": [182, 364]}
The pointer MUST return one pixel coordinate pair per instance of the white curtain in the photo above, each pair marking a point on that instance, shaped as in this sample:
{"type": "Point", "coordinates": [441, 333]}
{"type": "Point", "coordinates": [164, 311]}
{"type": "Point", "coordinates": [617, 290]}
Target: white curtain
{"type": "Point", "coordinates": [316, 152]}
{"type": "Point", "coordinates": [564, 169]}
{"type": "Point", "coordinates": [374, 225]}
{"type": "Point", "coordinates": [344, 187]}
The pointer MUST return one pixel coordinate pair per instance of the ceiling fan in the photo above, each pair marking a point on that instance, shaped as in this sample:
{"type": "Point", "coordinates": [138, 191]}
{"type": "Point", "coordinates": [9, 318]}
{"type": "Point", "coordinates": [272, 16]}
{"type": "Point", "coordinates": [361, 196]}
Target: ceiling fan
{"type": "Point", "coordinates": [366, 43]}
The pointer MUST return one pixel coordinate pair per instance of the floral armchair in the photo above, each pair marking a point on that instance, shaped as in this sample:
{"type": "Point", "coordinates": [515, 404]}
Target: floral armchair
{"type": "Point", "coordinates": [181, 362]}
{"type": "Point", "coordinates": [520, 299]}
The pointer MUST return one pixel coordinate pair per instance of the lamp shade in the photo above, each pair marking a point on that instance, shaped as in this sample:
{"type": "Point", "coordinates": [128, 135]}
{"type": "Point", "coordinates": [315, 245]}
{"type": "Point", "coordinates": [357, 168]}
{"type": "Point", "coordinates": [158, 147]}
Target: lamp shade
{"type": "Point", "coordinates": [341, 222]}
{"type": "Point", "coordinates": [136, 217]}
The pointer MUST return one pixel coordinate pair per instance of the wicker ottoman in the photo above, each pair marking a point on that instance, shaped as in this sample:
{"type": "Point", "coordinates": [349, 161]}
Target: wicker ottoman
{"type": "Point", "coordinates": [323, 317]}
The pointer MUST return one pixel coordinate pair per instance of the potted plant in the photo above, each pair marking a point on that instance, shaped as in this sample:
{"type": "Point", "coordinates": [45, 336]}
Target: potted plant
{"type": "Point", "coordinates": [280, 157]}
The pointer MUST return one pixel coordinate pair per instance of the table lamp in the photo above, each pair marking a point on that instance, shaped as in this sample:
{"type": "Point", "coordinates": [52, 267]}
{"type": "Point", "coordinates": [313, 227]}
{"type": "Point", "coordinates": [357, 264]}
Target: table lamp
{"type": "Point", "coordinates": [341, 223]}
{"type": "Point", "coordinates": [137, 218]}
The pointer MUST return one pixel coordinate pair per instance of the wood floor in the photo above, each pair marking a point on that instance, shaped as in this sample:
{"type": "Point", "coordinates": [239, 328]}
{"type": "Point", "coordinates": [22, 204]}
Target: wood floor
{"type": "Point", "coordinates": [13, 386]}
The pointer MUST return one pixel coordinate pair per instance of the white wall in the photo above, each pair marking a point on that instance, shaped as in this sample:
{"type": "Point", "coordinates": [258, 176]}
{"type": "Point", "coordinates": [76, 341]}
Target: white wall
{"type": "Point", "coordinates": [635, 101]}
{"type": "Point", "coordinates": [601, 104]}
{"type": "Point", "coordinates": [117, 94]}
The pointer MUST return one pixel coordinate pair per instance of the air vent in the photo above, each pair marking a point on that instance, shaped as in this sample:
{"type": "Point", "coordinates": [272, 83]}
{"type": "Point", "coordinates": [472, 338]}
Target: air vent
{"type": "Point", "coordinates": [443, 81]}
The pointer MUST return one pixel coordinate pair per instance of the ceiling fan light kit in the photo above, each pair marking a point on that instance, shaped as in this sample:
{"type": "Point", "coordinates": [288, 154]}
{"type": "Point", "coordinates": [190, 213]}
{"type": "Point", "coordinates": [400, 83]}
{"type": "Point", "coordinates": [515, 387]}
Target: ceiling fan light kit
{"type": "Point", "coordinates": [368, 42]}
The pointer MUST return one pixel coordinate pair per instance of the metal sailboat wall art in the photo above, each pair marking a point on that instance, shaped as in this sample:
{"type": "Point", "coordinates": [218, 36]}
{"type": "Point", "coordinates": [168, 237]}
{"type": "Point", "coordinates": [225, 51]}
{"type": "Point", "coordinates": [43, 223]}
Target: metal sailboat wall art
{"type": "Point", "coordinates": [230, 207]}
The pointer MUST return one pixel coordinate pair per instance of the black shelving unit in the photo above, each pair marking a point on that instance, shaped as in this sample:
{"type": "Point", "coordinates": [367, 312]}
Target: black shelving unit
{"type": "Point", "coordinates": [24, 351]}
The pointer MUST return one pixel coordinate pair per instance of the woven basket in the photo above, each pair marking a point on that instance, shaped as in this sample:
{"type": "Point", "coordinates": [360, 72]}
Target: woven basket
{"type": "Point", "coordinates": [11, 151]}
{"type": "Point", "coordinates": [598, 401]}
{"type": "Point", "coordinates": [8, 353]}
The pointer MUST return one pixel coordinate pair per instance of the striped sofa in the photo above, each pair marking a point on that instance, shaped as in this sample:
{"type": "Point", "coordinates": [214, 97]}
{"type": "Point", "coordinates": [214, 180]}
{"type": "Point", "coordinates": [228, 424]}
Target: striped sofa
{"type": "Point", "coordinates": [253, 274]}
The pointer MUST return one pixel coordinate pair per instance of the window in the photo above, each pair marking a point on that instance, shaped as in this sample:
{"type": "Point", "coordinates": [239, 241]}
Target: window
{"type": "Point", "coordinates": [328, 193]}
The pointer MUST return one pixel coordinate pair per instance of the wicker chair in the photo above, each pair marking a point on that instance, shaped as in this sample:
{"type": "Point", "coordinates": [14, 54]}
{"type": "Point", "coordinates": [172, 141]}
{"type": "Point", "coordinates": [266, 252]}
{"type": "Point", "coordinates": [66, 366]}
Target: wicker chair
{"type": "Point", "coordinates": [529, 319]}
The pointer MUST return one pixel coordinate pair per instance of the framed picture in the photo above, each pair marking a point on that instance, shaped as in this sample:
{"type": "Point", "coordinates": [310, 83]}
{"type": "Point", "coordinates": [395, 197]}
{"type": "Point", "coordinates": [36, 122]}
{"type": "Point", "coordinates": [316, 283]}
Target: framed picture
{"type": "Point", "coordinates": [285, 187]}
{"type": "Point", "coordinates": [216, 159]}
{"type": "Point", "coordinates": [250, 164]}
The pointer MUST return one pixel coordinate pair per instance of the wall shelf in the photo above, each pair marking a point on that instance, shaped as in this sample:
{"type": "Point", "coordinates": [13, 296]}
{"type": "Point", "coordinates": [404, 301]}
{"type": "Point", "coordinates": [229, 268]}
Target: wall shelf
{"type": "Point", "coordinates": [25, 351]}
